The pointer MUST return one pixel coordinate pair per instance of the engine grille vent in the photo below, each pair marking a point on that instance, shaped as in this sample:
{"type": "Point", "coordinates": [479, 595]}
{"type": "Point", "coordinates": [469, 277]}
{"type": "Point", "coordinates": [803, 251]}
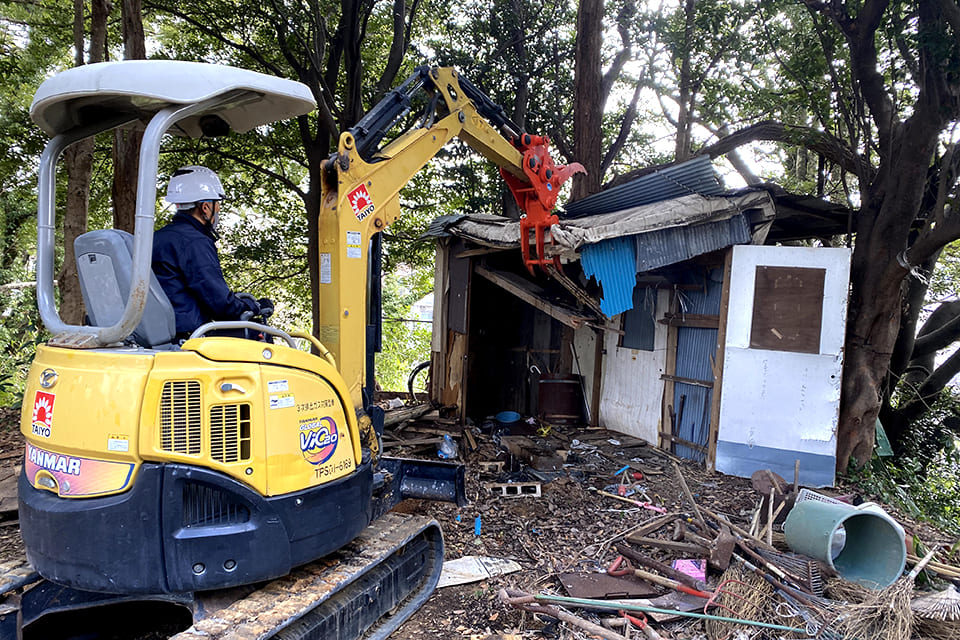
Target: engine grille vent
{"type": "Point", "coordinates": [205, 506]}
{"type": "Point", "coordinates": [230, 432]}
{"type": "Point", "coordinates": [180, 417]}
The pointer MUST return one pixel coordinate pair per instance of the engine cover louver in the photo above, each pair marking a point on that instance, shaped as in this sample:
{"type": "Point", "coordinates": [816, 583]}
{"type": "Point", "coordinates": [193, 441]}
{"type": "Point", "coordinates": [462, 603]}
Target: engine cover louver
{"type": "Point", "coordinates": [180, 417]}
{"type": "Point", "coordinates": [230, 432]}
{"type": "Point", "coordinates": [205, 506]}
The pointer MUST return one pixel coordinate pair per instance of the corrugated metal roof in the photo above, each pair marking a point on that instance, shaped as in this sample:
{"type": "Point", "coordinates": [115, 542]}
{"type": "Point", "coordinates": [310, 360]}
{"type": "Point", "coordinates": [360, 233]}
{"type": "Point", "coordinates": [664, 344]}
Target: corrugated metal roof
{"type": "Point", "coordinates": [438, 227]}
{"type": "Point", "coordinates": [669, 246]}
{"type": "Point", "coordinates": [615, 262]}
{"type": "Point", "coordinates": [693, 176]}
{"type": "Point", "coordinates": [612, 262]}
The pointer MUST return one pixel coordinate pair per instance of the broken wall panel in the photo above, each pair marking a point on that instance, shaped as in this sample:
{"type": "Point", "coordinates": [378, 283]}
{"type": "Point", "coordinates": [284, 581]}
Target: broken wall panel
{"type": "Point", "coordinates": [783, 405]}
{"type": "Point", "coordinates": [631, 391]}
{"type": "Point", "coordinates": [585, 361]}
{"type": "Point", "coordinates": [696, 348]}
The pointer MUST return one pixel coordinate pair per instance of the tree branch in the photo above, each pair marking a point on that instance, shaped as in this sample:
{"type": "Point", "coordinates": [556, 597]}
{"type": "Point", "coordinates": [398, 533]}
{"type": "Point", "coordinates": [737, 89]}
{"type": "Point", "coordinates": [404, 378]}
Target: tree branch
{"type": "Point", "coordinates": [625, 125]}
{"type": "Point", "coordinates": [940, 330]}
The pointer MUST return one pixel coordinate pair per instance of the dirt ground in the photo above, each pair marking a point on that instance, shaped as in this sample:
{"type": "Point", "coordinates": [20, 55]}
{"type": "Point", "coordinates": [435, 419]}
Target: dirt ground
{"type": "Point", "coordinates": [568, 528]}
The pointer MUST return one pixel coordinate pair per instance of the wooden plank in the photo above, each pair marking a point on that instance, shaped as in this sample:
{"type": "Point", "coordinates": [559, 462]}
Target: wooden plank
{"type": "Point", "coordinates": [439, 341]}
{"type": "Point", "coordinates": [694, 550]}
{"type": "Point", "coordinates": [669, 370]}
{"type": "Point", "coordinates": [686, 443]}
{"type": "Point", "coordinates": [598, 337]}
{"type": "Point", "coordinates": [464, 361]}
{"type": "Point", "coordinates": [396, 416]}
{"type": "Point", "coordinates": [531, 294]}
{"type": "Point", "coordinates": [450, 394]}
{"type": "Point", "coordinates": [717, 364]}
{"type": "Point", "coordinates": [698, 383]}
{"type": "Point", "coordinates": [578, 292]}
{"type": "Point", "coordinates": [787, 309]}
{"type": "Point", "coordinates": [694, 320]}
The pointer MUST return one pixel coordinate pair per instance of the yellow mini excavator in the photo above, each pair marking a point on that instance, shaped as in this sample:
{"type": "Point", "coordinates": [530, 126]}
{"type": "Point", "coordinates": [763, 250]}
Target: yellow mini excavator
{"type": "Point", "coordinates": [229, 487]}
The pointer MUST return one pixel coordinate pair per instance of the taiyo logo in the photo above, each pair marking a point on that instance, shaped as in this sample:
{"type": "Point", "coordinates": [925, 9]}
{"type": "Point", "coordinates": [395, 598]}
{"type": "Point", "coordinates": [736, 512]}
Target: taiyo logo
{"type": "Point", "coordinates": [42, 422]}
{"type": "Point", "coordinates": [361, 202]}
{"type": "Point", "coordinates": [318, 440]}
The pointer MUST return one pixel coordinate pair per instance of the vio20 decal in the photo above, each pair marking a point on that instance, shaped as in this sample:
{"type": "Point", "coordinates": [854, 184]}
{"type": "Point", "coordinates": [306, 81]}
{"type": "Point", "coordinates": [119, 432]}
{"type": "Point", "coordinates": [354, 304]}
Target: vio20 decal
{"type": "Point", "coordinates": [318, 439]}
{"type": "Point", "coordinates": [42, 422]}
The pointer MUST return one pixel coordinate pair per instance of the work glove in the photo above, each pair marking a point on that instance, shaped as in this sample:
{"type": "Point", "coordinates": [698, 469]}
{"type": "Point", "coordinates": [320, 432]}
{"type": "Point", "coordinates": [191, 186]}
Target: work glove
{"type": "Point", "coordinates": [266, 306]}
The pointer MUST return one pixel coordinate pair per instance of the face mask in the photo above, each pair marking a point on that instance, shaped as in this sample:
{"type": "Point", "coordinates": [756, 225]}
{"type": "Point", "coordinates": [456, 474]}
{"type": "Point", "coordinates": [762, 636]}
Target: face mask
{"type": "Point", "coordinates": [213, 221]}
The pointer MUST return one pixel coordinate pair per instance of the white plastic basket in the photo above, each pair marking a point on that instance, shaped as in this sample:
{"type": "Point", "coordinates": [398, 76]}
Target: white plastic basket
{"type": "Point", "coordinates": [806, 494]}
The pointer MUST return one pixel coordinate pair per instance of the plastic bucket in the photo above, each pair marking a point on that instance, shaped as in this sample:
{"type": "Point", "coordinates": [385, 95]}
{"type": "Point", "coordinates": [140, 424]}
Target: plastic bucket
{"type": "Point", "coordinates": [873, 553]}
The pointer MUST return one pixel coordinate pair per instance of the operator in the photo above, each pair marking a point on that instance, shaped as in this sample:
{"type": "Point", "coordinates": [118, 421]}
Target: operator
{"type": "Point", "coordinates": [185, 258]}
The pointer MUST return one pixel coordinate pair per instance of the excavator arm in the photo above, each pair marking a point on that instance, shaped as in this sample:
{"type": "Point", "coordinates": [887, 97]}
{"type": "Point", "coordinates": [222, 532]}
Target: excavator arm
{"type": "Point", "coordinates": [363, 180]}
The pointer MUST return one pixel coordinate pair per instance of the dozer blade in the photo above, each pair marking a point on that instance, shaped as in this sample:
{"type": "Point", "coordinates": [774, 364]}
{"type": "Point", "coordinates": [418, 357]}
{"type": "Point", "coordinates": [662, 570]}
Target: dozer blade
{"type": "Point", "coordinates": [367, 589]}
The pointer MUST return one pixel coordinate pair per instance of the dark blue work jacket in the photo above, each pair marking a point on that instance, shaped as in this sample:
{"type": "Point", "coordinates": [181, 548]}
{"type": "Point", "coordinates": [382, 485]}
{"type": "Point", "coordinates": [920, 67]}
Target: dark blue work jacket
{"type": "Point", "coordinates": [187, 266]}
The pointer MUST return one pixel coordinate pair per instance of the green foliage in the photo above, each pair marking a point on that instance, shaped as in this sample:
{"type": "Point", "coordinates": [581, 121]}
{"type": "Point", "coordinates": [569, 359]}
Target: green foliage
{"type": "Point", "coordinates": [406, 341]}
{"type": "Point", "coordinates": [904, 484]}
{"type": "Point", "coordinates": [20, 333]}
{"type": "Point", "coordinates": [924, 480]}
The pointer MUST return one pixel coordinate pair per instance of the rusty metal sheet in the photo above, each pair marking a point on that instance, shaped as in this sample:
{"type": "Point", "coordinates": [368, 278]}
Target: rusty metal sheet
{"type": "Point", "coordinates": [602, 586]}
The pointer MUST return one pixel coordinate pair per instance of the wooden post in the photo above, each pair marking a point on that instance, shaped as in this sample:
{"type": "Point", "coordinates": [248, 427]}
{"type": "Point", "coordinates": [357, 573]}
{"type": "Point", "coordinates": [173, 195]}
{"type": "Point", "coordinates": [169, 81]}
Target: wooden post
{"type": "Point", "coordinates": [599, 336]}
{"type": "Point", "coordinates": [669, 372]}
{"type": "Point", "coordinates": [718, 364]}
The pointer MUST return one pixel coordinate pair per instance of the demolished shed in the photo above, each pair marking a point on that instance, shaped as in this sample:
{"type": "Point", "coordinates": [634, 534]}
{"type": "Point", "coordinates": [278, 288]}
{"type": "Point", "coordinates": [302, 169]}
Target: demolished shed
{"type": "Point", "coordinates": [625, 334]}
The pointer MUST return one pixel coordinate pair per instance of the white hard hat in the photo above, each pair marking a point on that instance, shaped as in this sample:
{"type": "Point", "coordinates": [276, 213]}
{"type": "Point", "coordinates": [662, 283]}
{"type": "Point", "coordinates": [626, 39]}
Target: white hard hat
{"type": "Point", "coordinates": [193, 184]}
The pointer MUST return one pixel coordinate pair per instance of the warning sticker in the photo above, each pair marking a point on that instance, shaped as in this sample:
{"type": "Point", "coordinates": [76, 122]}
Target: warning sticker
{"type": "Point", "coordinates": [282, 401]}
{"type": "Point", "coordinates": [118, 442]}
{"type": "Point", "coordinates": [326, 269]}
{"type": "Point", "coordinates": [361, 202]}
{"type": "Point", "coordinates": [274, 386]}
{"type": "Point", "coordinates": [354, 249]}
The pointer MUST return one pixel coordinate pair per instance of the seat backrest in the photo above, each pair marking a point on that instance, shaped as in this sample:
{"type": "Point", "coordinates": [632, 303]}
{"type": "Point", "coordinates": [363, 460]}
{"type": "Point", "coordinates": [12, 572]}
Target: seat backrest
{"type": "Point", "coordinates": [105, 264]}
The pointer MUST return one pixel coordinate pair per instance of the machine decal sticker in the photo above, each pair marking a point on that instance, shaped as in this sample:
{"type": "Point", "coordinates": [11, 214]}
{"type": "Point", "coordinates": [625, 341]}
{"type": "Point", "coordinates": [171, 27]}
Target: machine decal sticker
{"type": "Point", "coordinates": [318, 439]}
{"type": "Point", "coordinates": [361, 202]}
{"type": "Point", "coordinates": [354, 249]}
{"type": "Point", "coordinates": [42, 422]}
{"type": "Point", "coordinates": [282, 401]}
{"type": "Point", "coordinates": [275, 386]}
{"type": "Point", "coordinates": [118, 442]}
{"type": "Point", "coordinates": [326, 268]}
{"type": "Point", "coordinates": [75, 476]}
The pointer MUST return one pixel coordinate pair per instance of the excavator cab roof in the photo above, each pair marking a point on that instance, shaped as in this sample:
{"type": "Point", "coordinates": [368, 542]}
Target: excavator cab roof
{"type": "Point", "coordinates": [134, 91]}
{"type": "Point", "coordinates": [160, 97]}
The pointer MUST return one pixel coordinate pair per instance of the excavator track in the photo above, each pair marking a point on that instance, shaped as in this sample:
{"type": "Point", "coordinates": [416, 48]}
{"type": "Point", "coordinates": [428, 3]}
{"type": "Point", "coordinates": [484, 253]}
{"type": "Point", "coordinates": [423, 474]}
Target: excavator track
{"type": "Point", "coordinates": [365, 590]}
{"type": "Point", "coordinates": [338, 596]}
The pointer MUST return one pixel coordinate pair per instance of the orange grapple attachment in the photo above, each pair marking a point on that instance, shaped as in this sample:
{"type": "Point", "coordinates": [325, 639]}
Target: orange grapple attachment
{"type": "Point", "coordinates": [537, 197]}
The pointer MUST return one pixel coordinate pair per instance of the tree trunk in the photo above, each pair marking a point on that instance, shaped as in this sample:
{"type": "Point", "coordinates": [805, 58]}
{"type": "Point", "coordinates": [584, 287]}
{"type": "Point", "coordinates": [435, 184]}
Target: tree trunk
{"type": "Point", "coordinates": [685, 112]}
{"type": "Point", "coordinates": [126, 142]}
{"type": "Point", "coordinates": [588, 101]}
{"type": "Point", "coordinates": [78, 162]}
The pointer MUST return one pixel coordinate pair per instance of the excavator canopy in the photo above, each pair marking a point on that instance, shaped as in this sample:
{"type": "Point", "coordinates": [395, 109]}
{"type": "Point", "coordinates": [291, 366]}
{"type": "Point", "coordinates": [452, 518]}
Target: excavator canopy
{"type": "Point", "coordinates": [91, 94]}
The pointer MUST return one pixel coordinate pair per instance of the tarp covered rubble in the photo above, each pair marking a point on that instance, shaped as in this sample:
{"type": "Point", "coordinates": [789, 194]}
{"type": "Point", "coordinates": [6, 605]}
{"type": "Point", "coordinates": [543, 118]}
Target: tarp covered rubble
{"type": "Point", "coordinates": [570, 235]}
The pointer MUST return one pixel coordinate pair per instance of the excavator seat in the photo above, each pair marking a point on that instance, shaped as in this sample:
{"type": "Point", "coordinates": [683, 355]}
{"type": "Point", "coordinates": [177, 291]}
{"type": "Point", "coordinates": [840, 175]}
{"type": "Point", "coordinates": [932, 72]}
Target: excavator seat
{"type": "Point", "coordinates": [104, 265]}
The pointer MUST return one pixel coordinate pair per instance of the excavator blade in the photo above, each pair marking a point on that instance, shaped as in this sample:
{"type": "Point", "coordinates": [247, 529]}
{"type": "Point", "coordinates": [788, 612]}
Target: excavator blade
{"type": "Point", "coordinates": [366, 589]}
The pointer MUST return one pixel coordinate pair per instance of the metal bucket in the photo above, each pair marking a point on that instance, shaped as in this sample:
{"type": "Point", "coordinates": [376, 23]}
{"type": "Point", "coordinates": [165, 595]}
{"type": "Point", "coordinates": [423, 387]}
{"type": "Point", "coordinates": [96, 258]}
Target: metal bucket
{"type": "Point", "coordinates": [873, 553]}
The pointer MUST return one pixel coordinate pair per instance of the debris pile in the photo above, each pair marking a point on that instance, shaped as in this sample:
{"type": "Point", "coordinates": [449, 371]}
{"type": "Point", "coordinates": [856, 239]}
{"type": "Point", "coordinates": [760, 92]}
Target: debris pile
{"type": "Point", "coordinates": [618, 539]}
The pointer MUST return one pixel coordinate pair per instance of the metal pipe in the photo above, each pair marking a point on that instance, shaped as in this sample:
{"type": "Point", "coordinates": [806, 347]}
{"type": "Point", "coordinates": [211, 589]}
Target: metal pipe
{"type": "Point", "coordinates": [623, 606]}
{"type": "Point", "coordinates": [46, 218]}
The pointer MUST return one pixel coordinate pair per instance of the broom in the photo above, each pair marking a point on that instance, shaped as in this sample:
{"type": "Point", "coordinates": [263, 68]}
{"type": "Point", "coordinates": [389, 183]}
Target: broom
{"type": "Point", "coordinates": [938, 614]}
{"type": "Point", "coordinates": [884, 614]}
